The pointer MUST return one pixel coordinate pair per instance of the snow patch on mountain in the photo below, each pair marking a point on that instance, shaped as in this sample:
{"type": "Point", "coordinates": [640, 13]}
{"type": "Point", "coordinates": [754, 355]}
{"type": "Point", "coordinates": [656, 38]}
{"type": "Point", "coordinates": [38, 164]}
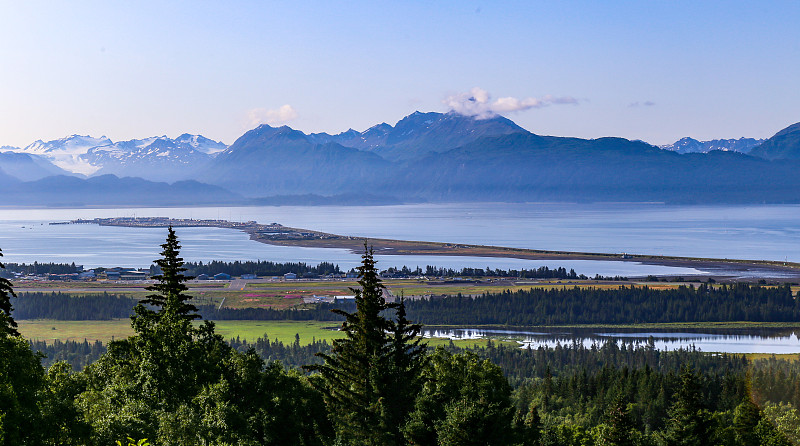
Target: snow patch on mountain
{"type": "Point", "coordinates": [87, 155]}
{"type": "Point", "coordinates": [68, 153]}
{"type": "Point", "coordinates": [691, 145]}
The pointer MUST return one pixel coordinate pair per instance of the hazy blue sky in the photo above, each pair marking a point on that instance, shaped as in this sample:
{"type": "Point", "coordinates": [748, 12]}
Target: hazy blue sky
{"type": "Point", "coordinates": [647, 70]}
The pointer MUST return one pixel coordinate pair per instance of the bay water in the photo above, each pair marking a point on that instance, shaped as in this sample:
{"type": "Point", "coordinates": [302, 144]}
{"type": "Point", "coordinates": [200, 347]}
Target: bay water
{"type": "Point", "coordinates": [768, 232]}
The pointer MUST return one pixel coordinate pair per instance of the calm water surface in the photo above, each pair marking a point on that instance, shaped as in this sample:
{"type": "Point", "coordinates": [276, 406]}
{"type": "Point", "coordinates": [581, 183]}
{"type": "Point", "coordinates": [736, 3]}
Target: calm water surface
{"type": "Point", "coordinates": [746, 232]}
{"type": "Point", "coordinates": [776, 341]}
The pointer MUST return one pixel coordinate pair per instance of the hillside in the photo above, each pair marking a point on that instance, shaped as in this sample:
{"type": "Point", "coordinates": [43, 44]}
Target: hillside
{"type": "Point", "coordinates": [784, 145]}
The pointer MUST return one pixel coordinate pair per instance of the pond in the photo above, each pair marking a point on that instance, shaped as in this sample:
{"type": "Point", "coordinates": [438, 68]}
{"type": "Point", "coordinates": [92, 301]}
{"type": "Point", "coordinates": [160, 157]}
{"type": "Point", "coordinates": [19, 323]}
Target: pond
{"type": "Point", "coordinates": [729, 340]}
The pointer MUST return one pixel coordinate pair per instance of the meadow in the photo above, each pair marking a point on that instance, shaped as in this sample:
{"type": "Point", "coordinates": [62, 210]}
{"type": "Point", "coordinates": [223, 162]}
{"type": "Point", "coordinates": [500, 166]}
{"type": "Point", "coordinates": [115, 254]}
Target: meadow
{"type": "Point", "coordinates": [283, 331]}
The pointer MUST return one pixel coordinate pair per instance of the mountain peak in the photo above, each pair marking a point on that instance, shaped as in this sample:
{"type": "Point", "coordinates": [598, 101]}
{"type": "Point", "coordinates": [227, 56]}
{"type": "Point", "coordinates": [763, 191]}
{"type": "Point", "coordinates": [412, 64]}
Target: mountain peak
{"type": "Point", "coordinates": [691, 145]}
{"type": "Point", "coordinates": [783, 145]}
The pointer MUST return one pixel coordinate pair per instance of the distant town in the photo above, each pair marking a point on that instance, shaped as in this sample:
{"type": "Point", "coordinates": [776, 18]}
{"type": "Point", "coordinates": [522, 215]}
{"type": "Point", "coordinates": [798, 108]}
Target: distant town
{"type": "Point", "coordinates": [272, 231]}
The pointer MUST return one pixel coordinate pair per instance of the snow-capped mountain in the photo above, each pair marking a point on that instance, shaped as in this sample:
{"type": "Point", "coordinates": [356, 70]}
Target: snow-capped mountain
{"type": "Point", "coordinates": [155, 158]}
{"type": "Point", "coordinates": [67, 153]}
{"type": "Point", "coordinates": [201, 144]}
{"type": "Point", "coordinates": [691, 145]}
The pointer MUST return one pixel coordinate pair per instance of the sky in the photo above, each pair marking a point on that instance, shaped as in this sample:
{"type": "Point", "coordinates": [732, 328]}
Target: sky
{"type": "Point", "coordinates": [650, 70]}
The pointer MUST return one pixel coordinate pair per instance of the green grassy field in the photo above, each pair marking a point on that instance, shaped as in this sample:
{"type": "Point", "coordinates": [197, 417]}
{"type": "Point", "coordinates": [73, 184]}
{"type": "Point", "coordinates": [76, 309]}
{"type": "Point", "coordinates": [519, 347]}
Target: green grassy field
{"type": "Point", "coordinates": [50, 330]}
{"type": "Point", "coordinates": [284, 331]}
{"type": "Point", "coordinates": [104, 331]}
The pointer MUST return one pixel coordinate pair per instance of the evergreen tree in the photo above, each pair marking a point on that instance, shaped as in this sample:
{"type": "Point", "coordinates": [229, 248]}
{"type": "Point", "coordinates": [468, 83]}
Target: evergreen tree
{"type": "Point", "coordinates": [689, 422]}
{"type": "Point", "coordinates": [7, 323]}
{"type": "Point", "coordinates": [169, 291]}
{"type": "Point", "coordinates": [746, 417]}
{"type": "Point", "coordinates": [406, 363]}
{"type": "Point", "coordinates": [372, 375]}
{"type": "Point", "coordinates": [619, 425]}
{"type": "Point", "coordinates": [180, 384]}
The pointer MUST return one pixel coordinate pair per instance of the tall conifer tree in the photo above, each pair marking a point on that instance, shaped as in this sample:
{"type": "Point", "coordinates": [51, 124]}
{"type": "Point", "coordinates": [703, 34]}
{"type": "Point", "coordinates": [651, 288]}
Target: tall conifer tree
{"type": "Point", "coordinates": [169, 291]}
{"type": "Point", "coordinates": [7, 323]}
{"type": "Point", "coordinates": [371, 375]}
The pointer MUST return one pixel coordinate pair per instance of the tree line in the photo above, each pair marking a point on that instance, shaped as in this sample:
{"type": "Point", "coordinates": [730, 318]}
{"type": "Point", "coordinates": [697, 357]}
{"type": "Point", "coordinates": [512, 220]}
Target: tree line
{"type": "Point", "coordinates": [41, 268]}
{"type": "Point", "coordinates": [72, 307]}
{"type": "Point", "coordinates": [623, 305]}
{"type": "Point", "coordinates": [261, 268]}
{"type": "Point", "coordinates": [542, 272]}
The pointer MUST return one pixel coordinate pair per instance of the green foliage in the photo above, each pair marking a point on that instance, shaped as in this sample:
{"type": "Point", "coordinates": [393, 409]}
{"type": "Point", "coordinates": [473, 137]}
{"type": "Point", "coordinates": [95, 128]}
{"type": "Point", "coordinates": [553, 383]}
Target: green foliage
{"type": "Point", "coordinates": [62, 419]}
{"type": "Point", "coordinates": [261, 268]}
{"type": "Point", "coordinates": [169, 294]}
{"type": "Point", "coordinates": [746, 417]}
{"type": "Point", "coordinates": [72, 307]}
{"type": "Point", "coordinates": [371, 377]}
{"type": "Point", "coordinates": [465, 400]}
{"type": "Point", "coordinates": [132, 442]}
{"type": "Point", "coordinates": [21, 380]}
{"type": "Point", "coordinates": [619, 430]}
{"type": "Point", "coordinates": [7, 324]}
{"type": "Point", "coordinates": [786, 419]}
{"type": "Point", "coordinates": [181, 384]}
{"type": "Point", "coordinates": [689, 423]}
{"type": "Point", "coordinates": [624, 305]}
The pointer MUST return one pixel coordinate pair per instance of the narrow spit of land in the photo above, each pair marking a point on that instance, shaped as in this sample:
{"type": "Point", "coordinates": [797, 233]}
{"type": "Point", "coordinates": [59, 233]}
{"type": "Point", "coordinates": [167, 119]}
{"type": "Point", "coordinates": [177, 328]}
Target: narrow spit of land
{"type": "Point", "coordinates": [277, 234]}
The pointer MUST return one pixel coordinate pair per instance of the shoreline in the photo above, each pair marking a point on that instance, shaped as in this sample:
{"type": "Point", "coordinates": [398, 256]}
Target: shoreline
{"type": "Point", "coordinates": [279, 235]}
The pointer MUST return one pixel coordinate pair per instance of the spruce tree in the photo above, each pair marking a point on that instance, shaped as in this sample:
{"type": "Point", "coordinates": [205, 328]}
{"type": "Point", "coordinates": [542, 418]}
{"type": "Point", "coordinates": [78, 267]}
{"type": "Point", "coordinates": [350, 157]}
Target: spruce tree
{"type": "Point", "coordinates": [689, 423]}
{"type": "Point", "coordinates": [7, 323]}
{"type": "Point", "coordinates": [169, 294]}
{"type": "Point", "coordinates": [405, 367]}
{"type": "Point", "coordinates": [620, 426]}
{"type": "Point", "coordinates": [371, 376]}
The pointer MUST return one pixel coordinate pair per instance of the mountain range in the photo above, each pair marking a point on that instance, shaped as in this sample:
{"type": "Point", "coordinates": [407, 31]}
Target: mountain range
{"type": "Point", "coordinates": [691, 145]}
{"type": "Point", "coordinates": [424, 157]}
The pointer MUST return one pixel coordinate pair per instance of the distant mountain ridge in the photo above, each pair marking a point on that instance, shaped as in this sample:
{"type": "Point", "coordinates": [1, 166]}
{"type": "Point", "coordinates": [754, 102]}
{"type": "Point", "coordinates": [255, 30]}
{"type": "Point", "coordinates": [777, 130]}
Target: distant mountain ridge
{"type": "Point", "coordinates": [151, 158]}
{"type": "Point", "coordinates": [27, 167]}
{"type": "Point", "coordinates": [424, 157]}
{"type": "Point", "coordinates": [283, 161]}
{"type": "Point", "coordinates": [446, 157]}
{"type": "Point", "coordinates": [691, 145]}
{"type": "Point", "coordinates": [110, 190]}
{"type": "Point", "coordinates": [419, 134]}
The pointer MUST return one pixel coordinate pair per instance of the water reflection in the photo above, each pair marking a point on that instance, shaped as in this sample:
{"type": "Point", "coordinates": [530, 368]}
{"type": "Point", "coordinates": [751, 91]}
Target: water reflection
{"type": "Point", "coordinates": [741, 340]}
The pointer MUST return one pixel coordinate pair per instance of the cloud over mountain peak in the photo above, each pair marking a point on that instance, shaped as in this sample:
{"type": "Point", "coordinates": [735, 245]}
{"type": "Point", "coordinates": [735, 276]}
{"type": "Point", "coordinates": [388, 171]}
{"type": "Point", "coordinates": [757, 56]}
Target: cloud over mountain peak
{"type": "Point", "coordinates": [478, 103]}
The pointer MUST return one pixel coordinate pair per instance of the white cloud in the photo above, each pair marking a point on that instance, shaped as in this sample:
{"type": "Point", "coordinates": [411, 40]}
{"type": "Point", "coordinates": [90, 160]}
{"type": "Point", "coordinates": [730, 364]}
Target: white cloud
{"type": "Point", "coordinates": [280, 115]}
{"type": "Point", "coordinates": [478, 102]}
{"type": "Point", "coordinates": [642, 104]}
